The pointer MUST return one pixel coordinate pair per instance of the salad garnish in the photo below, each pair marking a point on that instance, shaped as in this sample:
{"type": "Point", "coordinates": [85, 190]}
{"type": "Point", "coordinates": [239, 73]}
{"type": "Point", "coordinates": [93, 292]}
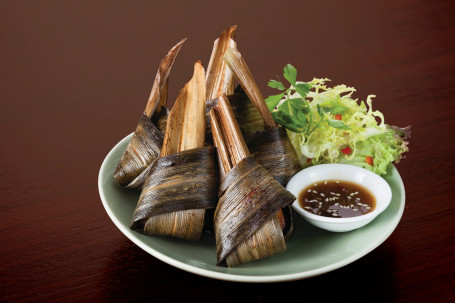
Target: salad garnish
{"type": "Point", "coordinates": [295, 112]}
{"type": "Point", "coordinates": [326, 125]}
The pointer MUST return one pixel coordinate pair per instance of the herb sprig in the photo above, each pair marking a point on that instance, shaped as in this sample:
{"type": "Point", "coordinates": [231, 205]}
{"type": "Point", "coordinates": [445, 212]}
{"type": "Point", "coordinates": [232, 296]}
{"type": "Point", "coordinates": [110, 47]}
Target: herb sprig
{"type": "Point", "coordinates": [295, 113]}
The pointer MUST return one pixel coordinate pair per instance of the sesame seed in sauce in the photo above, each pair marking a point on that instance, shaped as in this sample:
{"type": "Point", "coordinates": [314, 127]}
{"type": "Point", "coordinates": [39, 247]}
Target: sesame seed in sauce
{"type": "Point", "coordinates": [330, 198]}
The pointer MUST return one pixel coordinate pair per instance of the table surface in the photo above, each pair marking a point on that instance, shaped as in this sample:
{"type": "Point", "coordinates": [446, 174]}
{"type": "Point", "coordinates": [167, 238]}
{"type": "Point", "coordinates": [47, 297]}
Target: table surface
{"type": "Point", "coordinates": [75, 77]}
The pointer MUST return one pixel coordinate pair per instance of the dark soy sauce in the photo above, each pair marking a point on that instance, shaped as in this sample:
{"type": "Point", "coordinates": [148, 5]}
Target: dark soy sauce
{"type": "Point", "coordinates": [338, 199]}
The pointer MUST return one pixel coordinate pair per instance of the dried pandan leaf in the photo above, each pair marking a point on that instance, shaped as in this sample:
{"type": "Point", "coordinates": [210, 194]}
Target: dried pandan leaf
{"type": "Point", "coordinates": [271, 147]}
{"type": "Point", "coordinates": [182, 182]}
{"type": "Point", "coordinates": [247, 217]}
{"type": "Point", "coordinates": [241, 71]}
{"type": "Point", "coordinates": [247, 116]}
{"type": "Point", "coordinates": [246, 224]}
{"type": "Point", "coordinates": [274, 151]}
{"type": "Point", "coordinates": [220, 79]}
{"type": "Point", "coordinates": [185, 180]}
{"type": "Point", "coordinates": [145, 145]}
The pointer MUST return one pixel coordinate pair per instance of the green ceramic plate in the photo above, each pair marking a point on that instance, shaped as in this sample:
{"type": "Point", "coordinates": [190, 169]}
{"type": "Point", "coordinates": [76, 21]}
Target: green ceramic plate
{"type": "Point", "coordinates": [310, 251]}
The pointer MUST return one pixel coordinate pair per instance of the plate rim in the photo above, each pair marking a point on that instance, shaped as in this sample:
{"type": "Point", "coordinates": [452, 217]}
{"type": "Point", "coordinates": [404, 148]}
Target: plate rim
{"type": "Point", "coordinates": [237, 277]}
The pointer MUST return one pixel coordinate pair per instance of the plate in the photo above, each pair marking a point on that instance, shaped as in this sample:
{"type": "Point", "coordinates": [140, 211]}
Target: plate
{"type": "Point", "coordinates": [310, 251]}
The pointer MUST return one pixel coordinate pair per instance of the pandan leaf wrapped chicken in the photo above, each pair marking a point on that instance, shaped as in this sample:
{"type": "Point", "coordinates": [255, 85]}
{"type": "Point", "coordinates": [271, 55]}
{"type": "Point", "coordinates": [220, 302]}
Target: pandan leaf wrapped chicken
{"type": "Point", "coordinates": [220, 80]}
{"type": "Point", "coordinates": [183, 182]}
{"type": "Point", "coordinates": [145, 145]}
{"type": "Point", "coordinates": [271, 147]}
{"type": "Point", "coordinates": [249, 222]}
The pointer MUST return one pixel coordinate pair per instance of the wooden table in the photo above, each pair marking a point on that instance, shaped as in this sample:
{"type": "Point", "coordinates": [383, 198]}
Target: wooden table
{"type": "Point", "coordinates": [75, 77]}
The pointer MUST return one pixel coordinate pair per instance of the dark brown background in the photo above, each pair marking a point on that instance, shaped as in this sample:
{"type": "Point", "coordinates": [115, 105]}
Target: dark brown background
{"type": "Point", "coordinates": [75, 77]}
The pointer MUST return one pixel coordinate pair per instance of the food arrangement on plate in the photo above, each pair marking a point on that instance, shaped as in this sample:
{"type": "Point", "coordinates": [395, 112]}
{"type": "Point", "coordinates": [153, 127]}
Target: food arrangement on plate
{"type": "Point", "coordinates": [221, 158]}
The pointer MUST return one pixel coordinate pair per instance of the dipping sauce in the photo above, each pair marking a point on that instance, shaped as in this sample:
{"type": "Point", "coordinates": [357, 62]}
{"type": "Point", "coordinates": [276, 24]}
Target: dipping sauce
{"type": "Point", "coordinates": [338, 199]}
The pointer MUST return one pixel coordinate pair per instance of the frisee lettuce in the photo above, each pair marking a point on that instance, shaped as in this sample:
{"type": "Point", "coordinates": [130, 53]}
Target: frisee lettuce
{"type": "Point", "coordinates": [311, 112]}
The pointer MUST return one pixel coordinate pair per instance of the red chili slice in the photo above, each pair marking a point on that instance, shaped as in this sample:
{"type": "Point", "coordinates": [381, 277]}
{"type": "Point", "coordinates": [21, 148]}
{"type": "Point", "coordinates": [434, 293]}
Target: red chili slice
{"type": "Point", "coordinates": [369, 160]}
{"type": "Point", "coordinates": [347, 150]}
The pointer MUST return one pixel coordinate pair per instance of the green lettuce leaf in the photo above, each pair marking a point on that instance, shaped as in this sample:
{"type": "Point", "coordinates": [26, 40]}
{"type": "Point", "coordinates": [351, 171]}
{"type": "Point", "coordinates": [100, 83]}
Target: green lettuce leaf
{"type": "Point", "coordinates": [361, 128]}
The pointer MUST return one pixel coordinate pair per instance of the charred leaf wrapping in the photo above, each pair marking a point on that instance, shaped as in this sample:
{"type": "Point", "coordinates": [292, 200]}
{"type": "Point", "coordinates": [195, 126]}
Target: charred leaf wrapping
{"type": "Point", "coordinates": [274, 151]}
{"type": "Point", "coordinates": [220, 79]}
{"type": "Point", "coordinates": [249, 198]}
{"type": "Point", "coordinates": [271, 147]}
{"type": "Point", "coordinates": [181, 181]}
{"type": "Point", "coordinates": [160, 121]}
{"type": "Point", "coordinates": [143, 149]}
{"type": "Point", "coordinates": [247, 116]}
{"type": "Point", "coordinates": [289, 221]}
{"type": "Point", "coordinates": [147, 140]}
